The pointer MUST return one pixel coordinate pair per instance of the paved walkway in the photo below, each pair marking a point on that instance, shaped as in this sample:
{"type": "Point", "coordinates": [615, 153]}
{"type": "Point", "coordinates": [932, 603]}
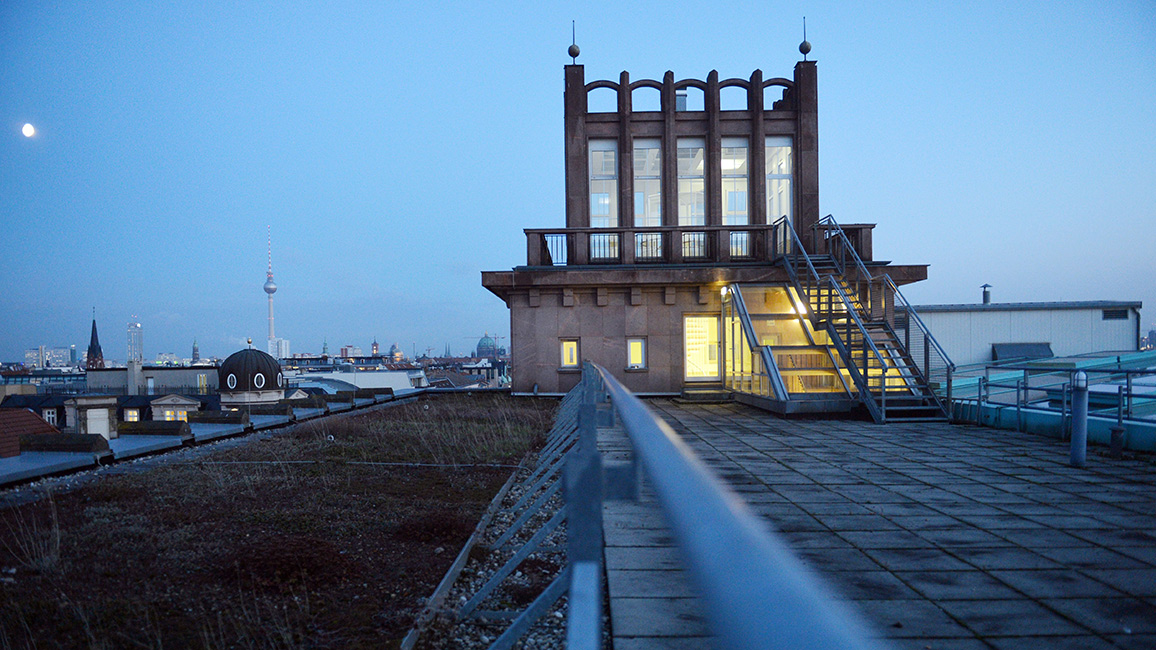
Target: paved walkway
{"type": "Point", "coordinates": [951, 537]}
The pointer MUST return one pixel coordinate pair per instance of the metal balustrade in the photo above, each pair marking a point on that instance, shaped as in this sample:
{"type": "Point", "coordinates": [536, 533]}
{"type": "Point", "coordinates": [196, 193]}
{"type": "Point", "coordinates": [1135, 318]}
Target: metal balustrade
{"type": "Point", "coordinates": [757, 594]}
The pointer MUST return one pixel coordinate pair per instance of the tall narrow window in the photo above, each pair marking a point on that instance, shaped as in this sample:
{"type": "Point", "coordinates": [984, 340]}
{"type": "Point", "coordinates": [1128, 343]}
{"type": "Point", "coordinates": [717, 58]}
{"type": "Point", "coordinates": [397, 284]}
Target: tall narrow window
{"type": "Point", "coordinates": [734, 193]}
{"type": "Point", "coordinates": [603, 184]}
{"type": "Point", "coordinates": [635, 353]}
{"type": "Point", "coordinates": [779, 197]}
{"type": "Point", "coordinates": [691, 194]}
{"type": "Point", "coordinates": [647, 198]}
{"type": "Point", "coordinates": [647, 183]}
{"type": "Point", "coordinates": [570, 353]}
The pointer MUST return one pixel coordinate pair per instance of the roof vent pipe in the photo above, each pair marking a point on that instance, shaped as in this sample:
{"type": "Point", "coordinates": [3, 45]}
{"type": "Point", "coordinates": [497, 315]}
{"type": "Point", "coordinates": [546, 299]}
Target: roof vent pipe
{"type": "Point", "coordinates": [986, 294]}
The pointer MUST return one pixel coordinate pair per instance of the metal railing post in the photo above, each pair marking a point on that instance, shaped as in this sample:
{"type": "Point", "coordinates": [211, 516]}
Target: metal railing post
{"type": "Point", "coordinates": [1019, 412]}
{"type": "Point", "coordinates": [1079, 446]}
{"type": "Point", "coordinates": [1128, 383]}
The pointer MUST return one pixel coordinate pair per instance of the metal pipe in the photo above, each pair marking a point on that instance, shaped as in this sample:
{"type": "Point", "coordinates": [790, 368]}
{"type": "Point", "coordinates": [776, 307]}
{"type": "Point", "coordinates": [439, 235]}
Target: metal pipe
{"type": "Point", "coordinates": [756, 592]}
{"type": "Point", "coordinates": [1079, 447]}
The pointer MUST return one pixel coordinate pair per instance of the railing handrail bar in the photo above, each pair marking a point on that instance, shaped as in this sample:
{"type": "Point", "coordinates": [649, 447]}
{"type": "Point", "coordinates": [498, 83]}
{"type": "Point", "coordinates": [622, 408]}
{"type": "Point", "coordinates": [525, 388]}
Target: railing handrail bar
{"type": "Point", "coordinates": [770, 368]}
{"type": "Point", "coordinates": [756, 592]}
{"type": "Point", "coordinates": [798, 246]}
{"type": "Point", "coordinates": [619, 229]}
{"type": "Point", "coordinates": [838, 231]}
{"type": "Point", "coordinates": [862, 330]}
{"type": "Point", "coordinates": [919, 321]}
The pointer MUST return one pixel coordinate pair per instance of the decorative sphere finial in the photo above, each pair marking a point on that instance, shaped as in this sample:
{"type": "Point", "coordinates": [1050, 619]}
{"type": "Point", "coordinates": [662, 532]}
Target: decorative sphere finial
{"type": "Point", "coordinates": [805, 46]}
{"type": "Point", "coordinates": [574, 51]}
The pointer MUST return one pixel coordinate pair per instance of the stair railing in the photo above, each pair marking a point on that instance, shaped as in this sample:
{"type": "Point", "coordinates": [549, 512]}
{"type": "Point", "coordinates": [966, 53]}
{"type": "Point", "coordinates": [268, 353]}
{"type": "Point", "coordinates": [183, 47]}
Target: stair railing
{"type": "Point", "coordinates": [770, 368]}
{"type": "Point", "coordinates": [879, 409]}
{"type": "Point", "coordinates": [936, 366]}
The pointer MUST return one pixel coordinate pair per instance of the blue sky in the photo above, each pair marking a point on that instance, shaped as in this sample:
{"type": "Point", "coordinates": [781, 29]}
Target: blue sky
{"type": "Point", "coordinates": [398, 149]}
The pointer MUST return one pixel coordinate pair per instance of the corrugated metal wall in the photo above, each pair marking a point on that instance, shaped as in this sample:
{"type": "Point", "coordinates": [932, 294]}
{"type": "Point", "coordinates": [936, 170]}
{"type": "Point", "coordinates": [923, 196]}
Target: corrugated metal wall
{"type": "Point", "coordinates": [967, 336]}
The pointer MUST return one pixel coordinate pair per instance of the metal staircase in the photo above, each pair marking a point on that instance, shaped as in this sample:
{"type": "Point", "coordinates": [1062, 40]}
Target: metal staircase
{"type": "Point", "coordinates": [893, 359]}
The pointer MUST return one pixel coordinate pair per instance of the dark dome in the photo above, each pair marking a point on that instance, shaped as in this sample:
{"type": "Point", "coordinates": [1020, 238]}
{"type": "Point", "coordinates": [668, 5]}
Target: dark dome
{"type": "Point", "coordinates": [250, 370]}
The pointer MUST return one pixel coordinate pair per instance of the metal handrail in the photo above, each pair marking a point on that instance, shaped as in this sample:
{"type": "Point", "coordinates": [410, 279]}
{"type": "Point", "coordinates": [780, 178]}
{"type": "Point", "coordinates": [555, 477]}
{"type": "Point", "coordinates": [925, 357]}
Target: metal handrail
{"type": "Point", "coordinates": [838, 232]}
{"type": "Point", "coordinates": [846, 242]}
{"type": "Point", "coordinates": [859, 323]}
{"type": "Point", "coordinates": [802, 252]}
{"type": "Point", "coordinates": [756, 592]}
{"type": "Point", "coordinates": [770, 368]}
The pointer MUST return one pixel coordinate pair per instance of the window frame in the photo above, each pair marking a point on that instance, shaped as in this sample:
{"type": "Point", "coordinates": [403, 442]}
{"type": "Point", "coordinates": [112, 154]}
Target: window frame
{"type": "Point", "coordinates": [562, 345]}
{"type": "Point", "coordinates": [643, 364]}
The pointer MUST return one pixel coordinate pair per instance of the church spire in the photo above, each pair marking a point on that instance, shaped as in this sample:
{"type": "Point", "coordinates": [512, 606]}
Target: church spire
{"type": "Point", "coordinates": [95, 355]}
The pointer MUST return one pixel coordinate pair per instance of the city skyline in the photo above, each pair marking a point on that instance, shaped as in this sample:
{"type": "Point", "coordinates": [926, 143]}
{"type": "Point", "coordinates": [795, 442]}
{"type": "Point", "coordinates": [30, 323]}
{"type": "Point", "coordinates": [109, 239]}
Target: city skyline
{"type": "Point", "coordinates": [399, 151]}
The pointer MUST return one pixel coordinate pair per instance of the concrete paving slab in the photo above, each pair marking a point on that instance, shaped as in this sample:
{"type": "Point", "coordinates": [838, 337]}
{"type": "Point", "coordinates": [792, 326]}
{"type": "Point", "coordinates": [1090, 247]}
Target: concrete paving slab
{"type": "Point", "coordinates": [203, 431]}
{"type": "Point", "coordinates": [34, 464]}
{"type": "Point", "coordinates": [967, 537]}
{"type": "Point", "coordinates": [129, 446]}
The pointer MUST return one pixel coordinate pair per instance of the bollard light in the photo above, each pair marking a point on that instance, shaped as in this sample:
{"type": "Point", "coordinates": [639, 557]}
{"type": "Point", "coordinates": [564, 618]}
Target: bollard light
{"type": "Point", "coordinates": [1080, 380]}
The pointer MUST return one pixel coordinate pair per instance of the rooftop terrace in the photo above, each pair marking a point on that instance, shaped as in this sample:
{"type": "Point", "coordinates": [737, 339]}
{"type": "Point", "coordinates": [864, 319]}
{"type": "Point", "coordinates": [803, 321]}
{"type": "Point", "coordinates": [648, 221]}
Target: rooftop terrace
{"type": "Point", "coordinates": [941, 536]}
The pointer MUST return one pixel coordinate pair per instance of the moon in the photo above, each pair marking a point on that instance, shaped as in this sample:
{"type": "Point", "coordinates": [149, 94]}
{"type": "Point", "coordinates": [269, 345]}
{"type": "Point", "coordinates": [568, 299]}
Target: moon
{"type": "Point", "coordinates": [28, 130]}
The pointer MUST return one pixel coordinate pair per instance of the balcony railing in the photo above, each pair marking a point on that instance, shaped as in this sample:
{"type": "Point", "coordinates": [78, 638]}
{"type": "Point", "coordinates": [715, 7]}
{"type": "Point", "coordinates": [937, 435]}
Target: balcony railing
{"type": "Point", "coordinates": [660, 245]}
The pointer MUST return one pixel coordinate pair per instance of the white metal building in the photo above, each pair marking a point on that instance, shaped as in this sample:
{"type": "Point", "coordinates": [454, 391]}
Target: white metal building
{"type": "Point", "coordinates": [982, 333]}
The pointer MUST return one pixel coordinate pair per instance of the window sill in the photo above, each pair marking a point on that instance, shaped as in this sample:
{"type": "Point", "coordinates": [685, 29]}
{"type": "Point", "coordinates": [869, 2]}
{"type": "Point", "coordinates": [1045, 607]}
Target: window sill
{"type": "Point", "coordinates": [570, 370]}
{"type": "Point", "coordinates": [637, 370]}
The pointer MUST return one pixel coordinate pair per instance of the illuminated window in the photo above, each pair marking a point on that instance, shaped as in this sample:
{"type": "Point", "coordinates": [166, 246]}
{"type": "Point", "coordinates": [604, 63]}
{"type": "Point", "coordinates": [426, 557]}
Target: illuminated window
{"type": "Point", "coordinates": [570, 353]}
{"type": "Point", "coordinates": [635, 353]}
{"type": "Point", "coordinates": [131, 415]}
{"type": "Point", "coordinates": [603, 183]}
{"type": "Point", "coordinates": [778, 171]}
{"type": "Point", "coordinates": [183, 416]}
{"type": "Point", "coordinates": [170, 415]}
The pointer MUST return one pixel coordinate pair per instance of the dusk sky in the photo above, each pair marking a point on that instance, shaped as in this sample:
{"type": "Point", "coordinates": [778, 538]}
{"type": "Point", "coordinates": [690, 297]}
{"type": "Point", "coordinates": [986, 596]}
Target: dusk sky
{"type": "Point", "coordinates": [399, 149]}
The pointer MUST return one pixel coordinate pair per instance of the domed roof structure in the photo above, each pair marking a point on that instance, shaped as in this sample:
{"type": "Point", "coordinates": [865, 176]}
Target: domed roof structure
{"type": "Point", "coordinates": [487, 347]}
{"type": "Point", "coordinates": [250, 370]}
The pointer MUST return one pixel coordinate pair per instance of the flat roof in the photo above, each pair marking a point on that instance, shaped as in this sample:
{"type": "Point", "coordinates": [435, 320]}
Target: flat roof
{"type": "Point", "coordinates": [1032, 306]}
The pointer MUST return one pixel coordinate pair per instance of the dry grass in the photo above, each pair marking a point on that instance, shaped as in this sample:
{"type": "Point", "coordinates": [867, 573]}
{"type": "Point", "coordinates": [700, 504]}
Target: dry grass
{"type": "Point", "coordinates": [283, 543]}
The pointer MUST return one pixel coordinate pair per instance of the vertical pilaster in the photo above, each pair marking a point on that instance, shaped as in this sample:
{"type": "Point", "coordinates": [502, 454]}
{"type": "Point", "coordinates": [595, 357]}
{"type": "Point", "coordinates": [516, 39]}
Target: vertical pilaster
{"type": "Point", "coordinates": [713, 152]}
{"type": "Point", "coordinates": [625, 154]}
{"type": "Point", "coordinates": [577, 166]}
{"type": "Point", "coordinates": [669, 153]}
{"type": "Point", "coordinates": [758, 151]}
{"type": "Point", "coordinates": [806, 150]}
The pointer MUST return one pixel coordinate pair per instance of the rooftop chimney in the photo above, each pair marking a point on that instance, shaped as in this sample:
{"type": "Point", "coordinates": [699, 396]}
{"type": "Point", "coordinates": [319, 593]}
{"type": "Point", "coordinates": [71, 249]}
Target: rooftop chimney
{"type": "Point", "coordinates": [986, 294]}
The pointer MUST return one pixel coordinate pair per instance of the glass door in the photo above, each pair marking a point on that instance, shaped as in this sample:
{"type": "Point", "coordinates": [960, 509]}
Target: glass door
{"type": "Point", "coordinates": [700, 347]}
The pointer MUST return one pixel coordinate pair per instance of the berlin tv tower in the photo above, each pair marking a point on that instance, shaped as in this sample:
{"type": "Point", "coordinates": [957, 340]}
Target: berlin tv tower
{"type": "Point", "coordinates": [270, 288]}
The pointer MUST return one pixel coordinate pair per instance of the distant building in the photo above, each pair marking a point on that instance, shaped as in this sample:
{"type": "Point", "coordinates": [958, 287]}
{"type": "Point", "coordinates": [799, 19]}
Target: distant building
{"type": "Point", "coordinates": [250, 377]}
{"type": "Point", "coordinates": [374, 351]}
{"type": "Point", "coordinates": [395, 353]}
{"type": "Point", "coordinates": [974, 334]}
{"type": "Point", "coordinates": [349, 351]}
{"type": "Point", "coordinates": [48, 407]}
{"type": "Point", "coordinates": [196, 352]}
{"type": "Point", "coordinates": [153, 380]}
{"type": "Point", "coordinates": [487, 348]}
{"type": "Point", "coordinates": [694, 257]}
{"type": "Point", "coordinates": [95, 357]}
{"type": "Point", "coordinates": [135, 341]}
{"type": "Point", "coordinates": [50, 357]}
